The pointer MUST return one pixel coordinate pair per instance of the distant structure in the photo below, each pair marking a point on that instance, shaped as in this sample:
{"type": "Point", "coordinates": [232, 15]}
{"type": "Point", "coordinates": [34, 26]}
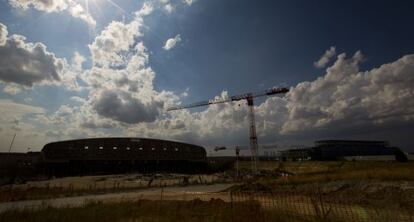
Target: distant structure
{"type": "Point", "coordinates": [14, 166]}
{"type": "Point", "coordinates": [117, 155]}
{"type": "Point", "coordinates": [105, 156]}
{"type": "Point", "coordinates": [346, 150]}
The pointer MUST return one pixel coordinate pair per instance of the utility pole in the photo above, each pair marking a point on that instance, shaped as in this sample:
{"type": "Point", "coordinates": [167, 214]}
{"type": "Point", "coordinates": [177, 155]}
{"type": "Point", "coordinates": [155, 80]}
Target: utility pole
{"type": "Point", "coordinates": [237, 163]}
{"type": "Point", "coordinates": [11, 144]}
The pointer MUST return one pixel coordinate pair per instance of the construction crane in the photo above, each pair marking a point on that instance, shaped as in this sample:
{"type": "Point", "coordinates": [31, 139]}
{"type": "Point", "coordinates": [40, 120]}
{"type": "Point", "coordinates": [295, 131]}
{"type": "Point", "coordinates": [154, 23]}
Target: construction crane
{"type": "Point", "coordinates": [249, 98]}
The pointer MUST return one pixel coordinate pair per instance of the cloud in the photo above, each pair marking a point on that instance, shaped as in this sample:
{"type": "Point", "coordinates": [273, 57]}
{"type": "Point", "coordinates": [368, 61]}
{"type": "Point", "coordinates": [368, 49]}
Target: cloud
{"type": "Point", "coordinates": [123, 107]}
{"type": "Point", "coordinates": [145, 10]}
{"type": "Point", "coordinates": [77, 11]}
{"type": "Point", "coordinates": [41, 5]}
{"type": "Point", "coordinates": [120, 87]}
{"type": "Point", "coordinates": [185, 93]}
{"type": "Point", "coordinates": [346, 99]}
{"type": "Point", "coordinates": [12, 89]}
{"type": "Point", "coordinates": [112, 46]}
{"type": "Point", "coordinates": [344, 103]}
{"type": "Point", "coordinates": [122, 100]}
{"type": "Point", "coordinates": [168, 8]}
{"type": "Point", "coordinates": [27, 63]}
{"type": "Point", "coordinates": [120, 81]}
{"type": "Point", "coordinates": [77, 61]}
{"type": "Point", "coordinates": [326, 57]}
{"type": "Point", "coordinates": [76, 121]}
{"type": "Point", "coordinates": [72, 7]}
{"type": "Point", "coordinates": [189, 2]}
{"type": "Point", "coordinates": [12, 111]}
{"type": "Point", "coordinates": [3, 34]}
{"type": "Point", "coordinates": [170, 43]}
{"type": "Point", "coordinates": [78, 99]}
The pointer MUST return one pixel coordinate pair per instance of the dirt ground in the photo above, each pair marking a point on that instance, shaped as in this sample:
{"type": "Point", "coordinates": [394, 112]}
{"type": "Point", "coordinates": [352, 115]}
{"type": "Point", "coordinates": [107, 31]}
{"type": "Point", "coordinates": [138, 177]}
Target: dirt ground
{"type": "Point", "coordinates": [369, 183]}
{"type": "Point", "coordinates": [125, 181]}
{"type": "Point", "coordinates": [167, 193]}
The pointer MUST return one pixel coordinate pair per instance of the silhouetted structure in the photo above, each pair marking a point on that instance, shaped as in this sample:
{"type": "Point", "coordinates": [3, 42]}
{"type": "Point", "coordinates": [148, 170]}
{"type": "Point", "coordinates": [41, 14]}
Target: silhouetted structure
{"type": "Point", "coordinates": [341, 149]}
{"type": "Point", "coordinates": [104, 156]}
{"type": "Point", "coordinates": [19, 165]}
{"type": "Point", "coordinates": [118, 155]}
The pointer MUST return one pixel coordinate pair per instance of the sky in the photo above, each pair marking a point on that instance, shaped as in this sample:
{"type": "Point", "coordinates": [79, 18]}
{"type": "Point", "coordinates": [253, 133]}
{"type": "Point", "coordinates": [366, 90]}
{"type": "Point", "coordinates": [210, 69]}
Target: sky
{"type": "Point", "coordinates": [73, 69]}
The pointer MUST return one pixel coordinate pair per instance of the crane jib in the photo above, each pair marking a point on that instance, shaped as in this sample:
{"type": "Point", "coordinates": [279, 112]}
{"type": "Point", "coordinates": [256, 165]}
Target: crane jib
{"type": "Point", "coordinates": [267, 92]}
{"type": "Point", "coordinates": [249, 97]}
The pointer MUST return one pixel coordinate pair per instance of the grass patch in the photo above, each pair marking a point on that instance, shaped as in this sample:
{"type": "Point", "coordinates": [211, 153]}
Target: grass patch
{"type": "Point", "coordinates": [206, 211]}
{"type": "Point", "coordinates": [146, 210]}
{"type": "Point", "coordinates": [326, 171]}
{"type": "Point", "coordinates": [9, 193]}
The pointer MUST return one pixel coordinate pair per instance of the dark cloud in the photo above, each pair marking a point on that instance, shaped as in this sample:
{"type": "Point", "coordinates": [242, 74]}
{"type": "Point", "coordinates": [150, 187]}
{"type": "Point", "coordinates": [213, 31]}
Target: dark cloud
{"type": "Point", "coordinates": [26, 63]}
{"type": "Point", "coordinates": [123, 107]}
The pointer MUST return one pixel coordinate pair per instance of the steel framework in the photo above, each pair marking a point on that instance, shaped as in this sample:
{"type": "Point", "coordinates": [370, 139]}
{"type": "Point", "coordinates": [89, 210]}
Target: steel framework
{"type": "Point", "coordinates": [252, 126]}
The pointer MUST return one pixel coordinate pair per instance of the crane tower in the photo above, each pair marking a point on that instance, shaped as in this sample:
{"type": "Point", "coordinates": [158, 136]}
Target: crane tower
{"type": "Point", "coordinates": [252, 127]}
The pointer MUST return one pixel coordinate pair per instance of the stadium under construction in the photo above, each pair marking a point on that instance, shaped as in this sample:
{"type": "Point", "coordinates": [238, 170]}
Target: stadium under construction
{"type": "Point", "coordinates": [125, 154]}
{"type": "Point", "coordinates": [106, 156]}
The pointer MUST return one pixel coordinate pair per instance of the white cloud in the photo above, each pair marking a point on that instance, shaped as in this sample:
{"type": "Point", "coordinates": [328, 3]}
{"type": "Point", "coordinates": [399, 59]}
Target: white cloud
{"type": "Point", "coordinates": [170, 43]}
{"type": "Point", "coordinates": [168, 8]}
{"type": "Point", "coordinates": [185, 93]}
{"type": "Point", "coordinates": [112, 46]}
{"type": "Point", "coordinates": [41, 5]}
{"type": "Point", "coordinates": [77, 61]}
{"type": "Point", "coordinates": [3, 34]}
{"type": "Point", "coordinates": [122, 99]}
{"type": "Point", "coordinates": [78, 99]}
{"type": "Point", "coordinates": [347, 99]}
{"type": "Point", "coordinates": [146, 9]}
{"type": "Point", "coordinates": [72, 7]}
{"type": "Point", "coordinates": [326, 57]}
{"type": "Point", "coordinates": [16, 111]}
{"type": "Point", "coordinates": [189, 2]}
{"type": "Point", "coordinates": [344, 100]}
{"type": "Point", "coordinates": [343, 103]}
{"type": "Point", "coordinates": [121, 83]}
{"type": "Point", "coordinates": [77, 11]}
{"type": "Point", "coordinates": [75, 121]}
{"type": "Point", "coordinates": [13, 120]}
{"type": "Point", "coordinates": [12, 89]}
{"type": "Point", "coordinates": [27, 63]}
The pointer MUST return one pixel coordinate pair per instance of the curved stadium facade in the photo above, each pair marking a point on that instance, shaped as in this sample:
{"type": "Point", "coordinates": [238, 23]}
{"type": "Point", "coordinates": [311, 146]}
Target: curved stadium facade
{"type": "Point", "coordinates": [116, 155]}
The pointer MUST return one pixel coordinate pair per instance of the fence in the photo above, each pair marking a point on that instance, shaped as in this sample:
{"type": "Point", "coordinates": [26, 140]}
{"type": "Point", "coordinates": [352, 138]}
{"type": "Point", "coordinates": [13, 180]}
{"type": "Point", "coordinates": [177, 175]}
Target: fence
{"type": "Point", "coordinates": [292, 207]}
{"type": "Point", "coordinates": [250, 206]}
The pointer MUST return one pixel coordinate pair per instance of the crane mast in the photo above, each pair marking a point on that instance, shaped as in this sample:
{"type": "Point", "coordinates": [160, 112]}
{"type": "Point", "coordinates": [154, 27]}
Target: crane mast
{"type": "Point", "coordinates": [254, 147]}
{"type": "Point", "coordinates": [252, 126]}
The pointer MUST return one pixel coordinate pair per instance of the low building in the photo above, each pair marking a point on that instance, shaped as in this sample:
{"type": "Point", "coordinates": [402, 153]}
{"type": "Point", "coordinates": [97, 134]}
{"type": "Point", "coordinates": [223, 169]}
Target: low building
{"type": "Point", "coordinates": [347, 150]}
{"type": "Point", "coordinates": [15, 167]}
{"type": "Point", "coordinates": [296, 154]}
